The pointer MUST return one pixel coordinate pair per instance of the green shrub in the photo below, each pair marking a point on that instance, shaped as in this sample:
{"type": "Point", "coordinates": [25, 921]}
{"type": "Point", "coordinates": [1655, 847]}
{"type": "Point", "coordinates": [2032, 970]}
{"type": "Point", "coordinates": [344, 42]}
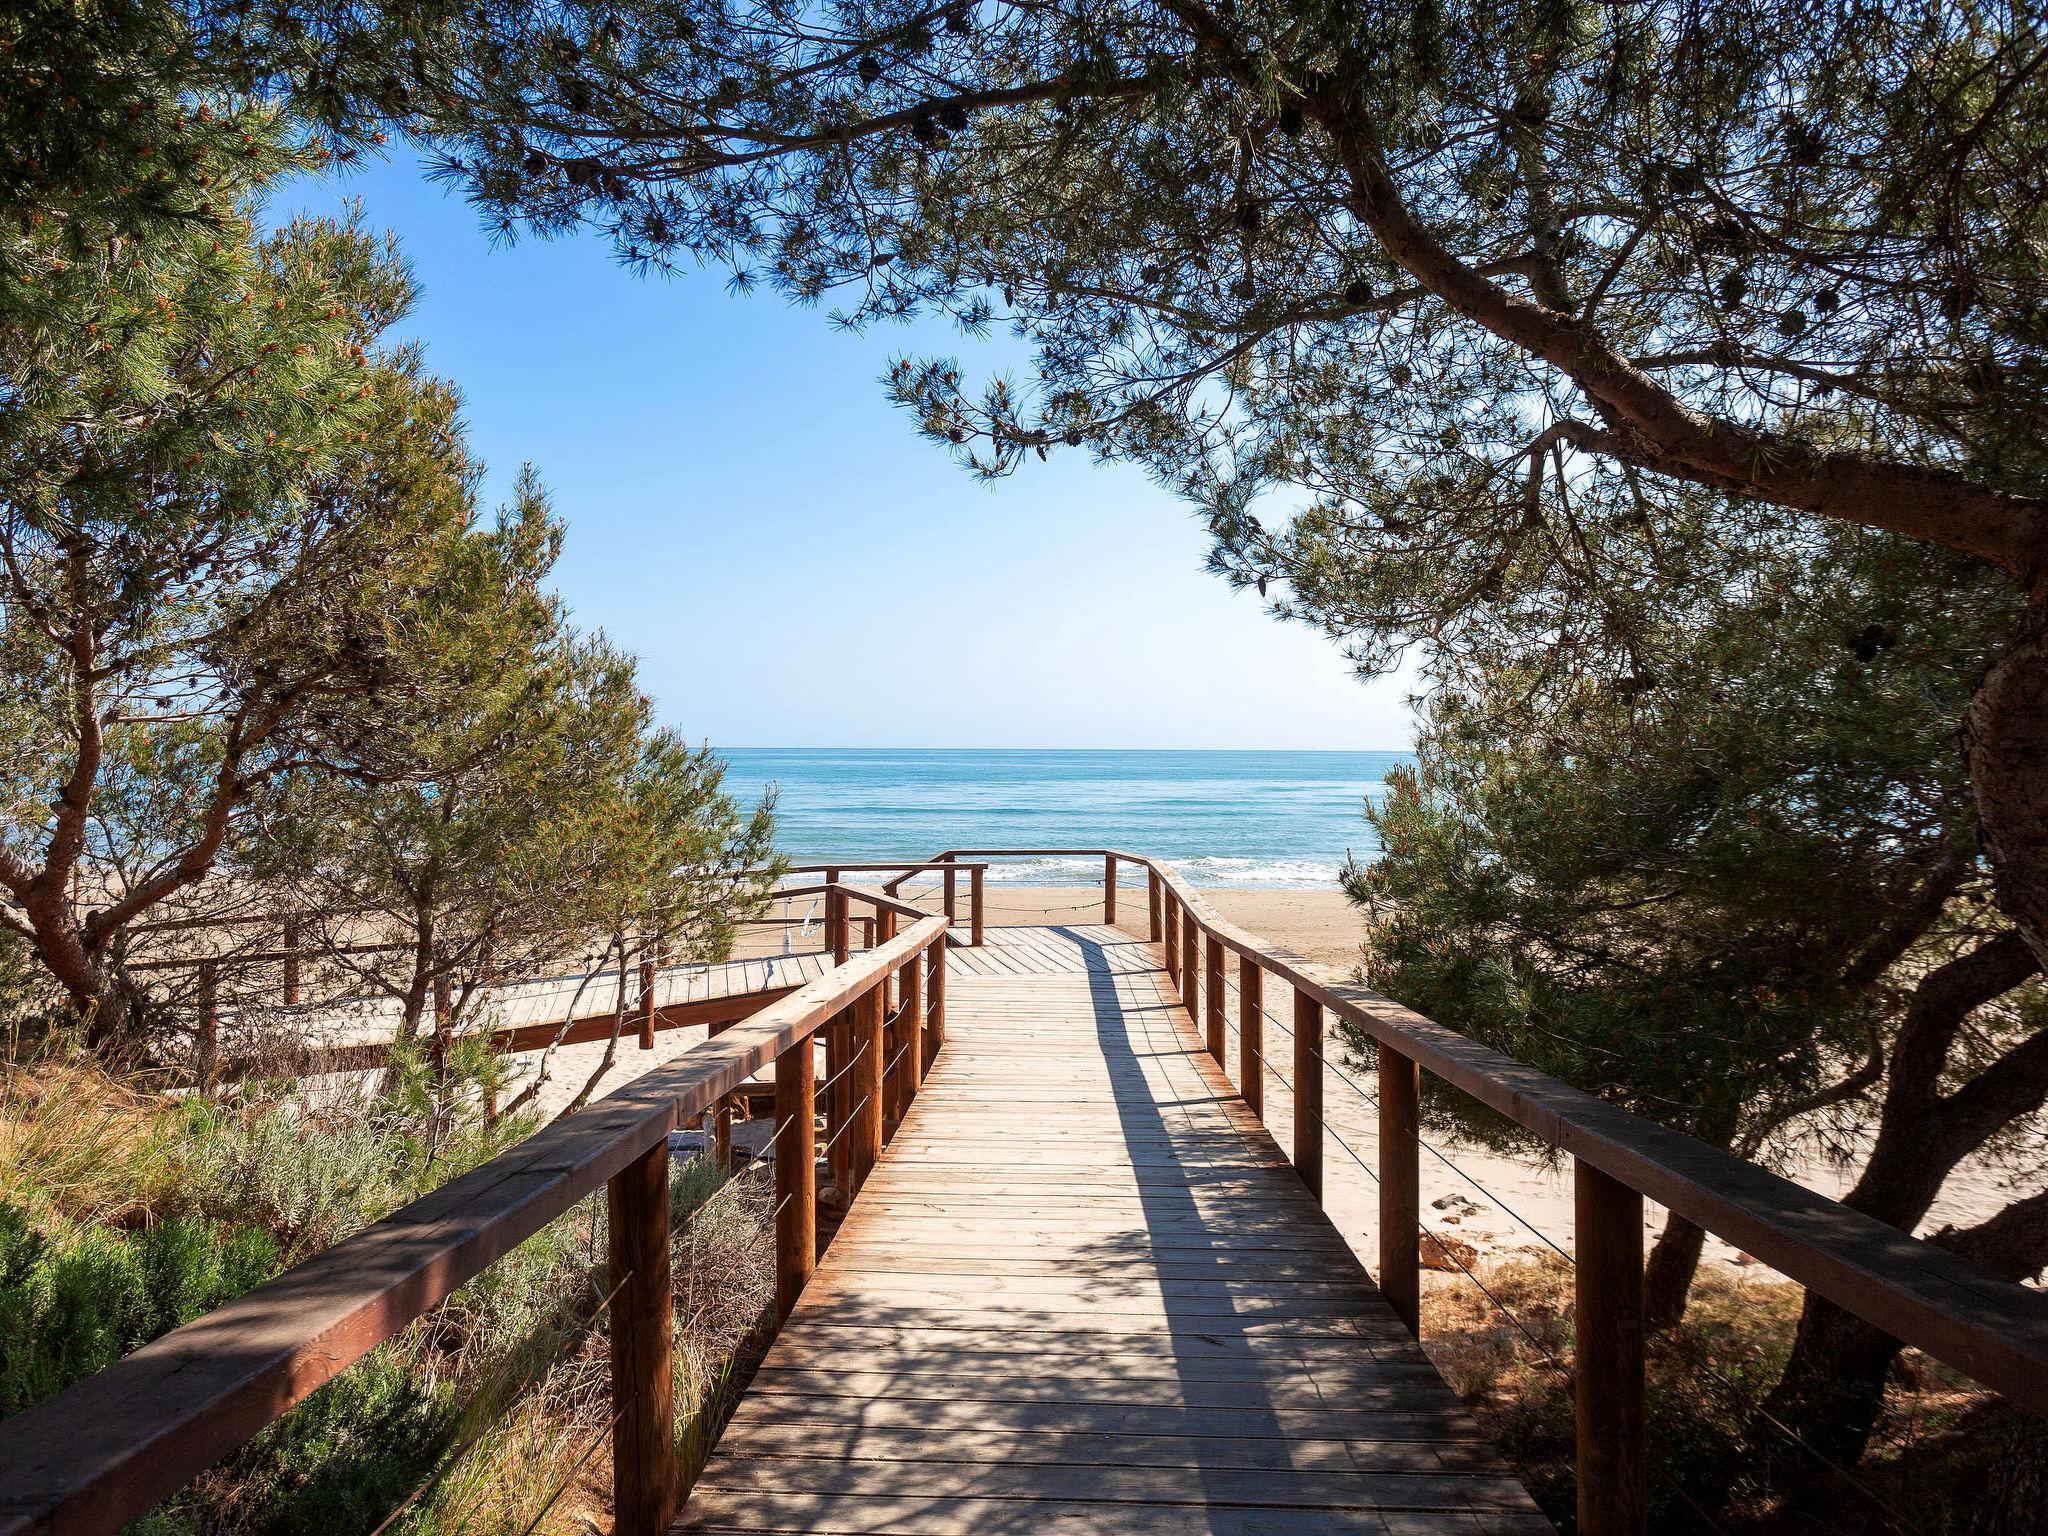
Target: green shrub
{"type": "Point", "coordinates": [73, 1304]}
{"type": "Point", "coordinates": [344, 1458]}
{"type": "Point", "coordinates": [253, 1184]}
{"type": "Point", "coordinates": [308, 1180]}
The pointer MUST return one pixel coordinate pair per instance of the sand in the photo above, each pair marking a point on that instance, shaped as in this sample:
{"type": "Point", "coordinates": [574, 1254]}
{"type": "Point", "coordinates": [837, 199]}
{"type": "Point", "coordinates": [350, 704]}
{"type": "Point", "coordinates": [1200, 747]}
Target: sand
{"type": "Point", "coordinates": [1501, 1206]}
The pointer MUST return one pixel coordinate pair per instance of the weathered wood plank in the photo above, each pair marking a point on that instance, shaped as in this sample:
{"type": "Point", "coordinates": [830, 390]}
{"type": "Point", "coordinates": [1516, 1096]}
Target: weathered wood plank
{"type": "Point", "coordinates": [844, 1515]}
{"type": "Point", "coordinates": [1086, 1290]}
{"type": "Point", "coordinates": [1080, 1448]}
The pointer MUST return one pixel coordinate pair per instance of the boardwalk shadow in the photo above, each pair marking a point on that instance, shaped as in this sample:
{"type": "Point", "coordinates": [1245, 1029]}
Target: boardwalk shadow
{"type": "Point", "coordinates": [1086, 1293]}
{"type": "Point", "coordinates": [1199, 1188]}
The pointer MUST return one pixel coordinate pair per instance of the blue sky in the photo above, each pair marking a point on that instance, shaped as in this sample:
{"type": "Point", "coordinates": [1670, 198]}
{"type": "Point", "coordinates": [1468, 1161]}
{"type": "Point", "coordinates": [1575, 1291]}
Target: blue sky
{"type": "Point", "coordinates": [793, 565]}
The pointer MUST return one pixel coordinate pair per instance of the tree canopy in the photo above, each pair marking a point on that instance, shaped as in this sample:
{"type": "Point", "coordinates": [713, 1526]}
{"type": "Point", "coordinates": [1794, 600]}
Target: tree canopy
{"type": "Point", "coordinates": [241, 563]}
{"type": "Point", "coordinates": [215, 484]}
{"type": "Point", "coordinates": [1439, 288]}
{"type": "Point", "coordinates": [1749, 902]}
{"type": "Point", "coordinates": [541, 811]}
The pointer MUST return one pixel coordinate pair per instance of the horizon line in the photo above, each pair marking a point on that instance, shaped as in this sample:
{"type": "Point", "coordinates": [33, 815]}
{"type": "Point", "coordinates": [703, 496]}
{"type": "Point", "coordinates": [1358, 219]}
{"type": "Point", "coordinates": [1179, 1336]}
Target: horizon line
{"type": "Point", "coordinates": [758, 747]}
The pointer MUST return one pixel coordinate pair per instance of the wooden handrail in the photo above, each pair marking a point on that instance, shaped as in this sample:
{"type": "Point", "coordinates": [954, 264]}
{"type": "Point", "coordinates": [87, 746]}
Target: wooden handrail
{"type": "Point", "coordinates": [909, 867]}
{"type": "Point", "coordinates": [880, 901]}
{"type": "Point", "coordinates": [1989, 1328]}
{"type": "Point", "coordinates": [113, 1446]}
{"type": "Point", "coordinates": [583, 1028]}
{"type": "Point", "coordinates": [945, 863]}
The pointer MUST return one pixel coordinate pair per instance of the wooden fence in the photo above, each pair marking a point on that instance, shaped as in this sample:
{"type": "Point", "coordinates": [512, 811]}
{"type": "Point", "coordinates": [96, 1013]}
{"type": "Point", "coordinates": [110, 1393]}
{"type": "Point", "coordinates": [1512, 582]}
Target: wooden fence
{"type": "Point", "coordinates": [112, 1447]}
{"type": "Point", "coordinates": [1988, 1328]}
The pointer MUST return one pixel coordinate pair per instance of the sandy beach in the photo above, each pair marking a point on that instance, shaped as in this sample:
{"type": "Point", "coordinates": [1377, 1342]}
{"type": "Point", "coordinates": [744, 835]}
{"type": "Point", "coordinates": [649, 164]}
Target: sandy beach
{"type": "Point", "coordinates": [1498, 1205]}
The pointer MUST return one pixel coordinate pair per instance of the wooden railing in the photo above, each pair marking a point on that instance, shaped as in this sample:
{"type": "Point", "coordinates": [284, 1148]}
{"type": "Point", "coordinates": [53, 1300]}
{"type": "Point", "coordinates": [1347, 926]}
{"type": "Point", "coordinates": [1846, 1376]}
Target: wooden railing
{"type": "Point", "coordinates": [1986, 1327]}
{"type": "Point", "coordinates": [115, 1445]}
{"type": "Point", "coordinates": [948, 865]}
{"type": "Point", "coordinates": [647, 1016]}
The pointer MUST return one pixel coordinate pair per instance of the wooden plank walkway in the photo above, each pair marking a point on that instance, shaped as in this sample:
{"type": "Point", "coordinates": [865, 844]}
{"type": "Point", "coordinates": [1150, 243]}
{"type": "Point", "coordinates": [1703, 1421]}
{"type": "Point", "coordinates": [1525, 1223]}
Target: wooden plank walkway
{"type": "Point", "coordinates": [1084, 1292]}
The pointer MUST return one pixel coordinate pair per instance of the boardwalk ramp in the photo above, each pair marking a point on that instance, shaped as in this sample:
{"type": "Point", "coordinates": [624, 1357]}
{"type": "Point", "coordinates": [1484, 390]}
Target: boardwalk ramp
{"type": "Point", "coordinates": [1085, 1292]}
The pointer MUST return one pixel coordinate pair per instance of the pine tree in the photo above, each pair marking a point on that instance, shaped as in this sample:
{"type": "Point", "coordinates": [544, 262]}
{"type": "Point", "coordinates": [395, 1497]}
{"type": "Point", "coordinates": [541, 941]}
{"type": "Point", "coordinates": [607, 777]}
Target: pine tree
{"type": "Point", "coordinates": [541, 815]}
{"type": "Point", "coordinates": [1451, 282]}
{"type": "Point", "coordinates": [1746, 898]}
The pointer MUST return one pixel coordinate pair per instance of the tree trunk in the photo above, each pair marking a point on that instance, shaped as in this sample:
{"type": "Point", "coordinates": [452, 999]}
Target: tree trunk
{"type": "Point", "coordinates": [64, 953]}
{"type": "Point", "coordinates": [1833, 1386]}
{"type": "Point", "coordinates": [413, 1003]}
{"type": "Point", "coordinates": [119, 1017]}
{"type": "Point", "coordinates": [2016, 1494]}
{"type": "Point", "coordinates": [2005, 747]}
{"type": "Point", "coordinates": [1668, 1273]}
{"type": "Point", "coordinates": [1829, 1397]}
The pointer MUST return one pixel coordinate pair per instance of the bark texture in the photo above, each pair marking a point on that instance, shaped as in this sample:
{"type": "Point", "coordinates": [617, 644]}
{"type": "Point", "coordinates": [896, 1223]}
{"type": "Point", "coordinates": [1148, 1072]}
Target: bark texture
{"type": "Point", "coordinates": [2005, 746]}
{"type": "Point", "coordinates": [1826, 1404]}
{"type": "Point", "coordinates": [1668, 1273]}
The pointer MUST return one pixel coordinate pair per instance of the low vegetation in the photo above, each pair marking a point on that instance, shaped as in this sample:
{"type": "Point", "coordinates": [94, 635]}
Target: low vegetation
{"type": "Point", "coordinates": [125, 1212]}
{"type": "Point", "coordinates": [1946, 1458]}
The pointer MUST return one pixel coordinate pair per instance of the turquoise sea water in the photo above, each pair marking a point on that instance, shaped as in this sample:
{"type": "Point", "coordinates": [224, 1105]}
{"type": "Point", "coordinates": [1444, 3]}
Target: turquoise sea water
{"type": "Point", "coordinates": [1225, 818]}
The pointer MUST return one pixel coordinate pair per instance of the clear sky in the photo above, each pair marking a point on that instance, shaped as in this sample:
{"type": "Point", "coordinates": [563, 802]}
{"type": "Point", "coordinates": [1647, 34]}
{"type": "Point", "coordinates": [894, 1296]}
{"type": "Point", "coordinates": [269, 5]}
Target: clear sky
{"type": "Point", "coordinates": [793, 565]}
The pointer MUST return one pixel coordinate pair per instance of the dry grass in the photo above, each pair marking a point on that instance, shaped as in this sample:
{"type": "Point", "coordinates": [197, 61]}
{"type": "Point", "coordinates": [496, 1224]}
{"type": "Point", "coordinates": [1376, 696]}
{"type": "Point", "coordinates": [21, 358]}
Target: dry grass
{"type": "Point", "coordinates": [725, 1293]}
{"type": "Point", "coordinates": [547, 1456]}
{"type": "Point", "coordinates": [77, 1145]}
{"type": "Point", "coordinates": [1947, 1459]}
{"type": "Point", "coordinates": [505, 1386]}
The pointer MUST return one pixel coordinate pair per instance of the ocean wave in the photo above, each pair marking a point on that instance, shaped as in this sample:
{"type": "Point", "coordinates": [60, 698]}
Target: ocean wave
{"type": "Point", "coordinates": [1202, 870]}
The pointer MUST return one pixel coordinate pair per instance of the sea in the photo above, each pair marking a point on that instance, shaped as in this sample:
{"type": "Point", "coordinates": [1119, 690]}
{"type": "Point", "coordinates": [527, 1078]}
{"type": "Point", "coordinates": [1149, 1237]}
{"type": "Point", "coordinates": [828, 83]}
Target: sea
{"type": "Point", "coordinates": [1274, 819]}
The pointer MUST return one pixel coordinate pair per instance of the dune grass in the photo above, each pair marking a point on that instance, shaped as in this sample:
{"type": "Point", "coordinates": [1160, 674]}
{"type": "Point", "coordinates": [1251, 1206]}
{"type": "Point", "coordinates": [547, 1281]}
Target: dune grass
{"type": "Point", "coordinates": [125, 1212]}
{"type": "Point", "coordinates": [1948, 1458]}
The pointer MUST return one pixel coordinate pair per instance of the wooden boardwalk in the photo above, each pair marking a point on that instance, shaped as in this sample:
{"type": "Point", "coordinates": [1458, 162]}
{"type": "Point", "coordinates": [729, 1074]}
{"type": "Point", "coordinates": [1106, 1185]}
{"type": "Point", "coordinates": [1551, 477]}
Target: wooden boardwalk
{"type": "Point", "coordinates": [1084, 1292]}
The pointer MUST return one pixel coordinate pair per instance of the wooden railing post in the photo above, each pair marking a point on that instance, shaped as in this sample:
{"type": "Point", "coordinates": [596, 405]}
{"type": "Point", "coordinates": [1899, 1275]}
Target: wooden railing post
{"type": "Point", "coordinates": [974, 911]}
{"type": "Point", "coordinates": [1400, 1192]}
{"type": "Point", "coordinates": [1190, 976]}
{"type": "Point", "coordinates": [1251, 1034]}
{"type": "Point", "coordinates": [884, 930]}
{"type": "Point", "coordinates": [839, 1047]}
{"type": "Point", "coordinates": [717, 1120]}
{"type": "Point", "coordinates": [1213, 980]}
{"type": "Point", "coordinates": [866, 1134]}
{"type": "Point", "coordinates": [1173, 942]}
{"type": "Point", "coordinates": [1152, 928]}
{"type": "Point", "coordinates": [936, 1036]}
{"type": "Point", "coordinates": [796, 1175]}
{"type": "Point", "coordinates": [291, 961]}
{"type": "Point", "coordinates": [643, 1394]}
{"type": "Point", "coordinates": [1308, 1092]}
{"type": "Point", "coordinates": [952, 896]}
{"type": "Point", "coordinates": [1613, 1451]}
{"type": "Point", "coordinates": [1109, 890]}
{"type": "Point", "coordinates": [835, 919]}
{"type": "Point", "coordinates": [647, 1002]}
{"type": "Point", "coordinates": [911, 1015]}
{"type": "Point", "coordinates": [207, 1057]}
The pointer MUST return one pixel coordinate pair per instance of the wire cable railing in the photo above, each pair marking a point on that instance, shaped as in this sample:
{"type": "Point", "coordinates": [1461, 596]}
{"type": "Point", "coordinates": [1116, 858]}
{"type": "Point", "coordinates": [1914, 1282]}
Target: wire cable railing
{"type": "Point", "coordinates": [248, 1361]}
{"type": "Point", "coordinates": [1445, 1248]}
{"type": "Point", "coordinates": [1989, 1329]}
{"type": "Point", "coordinates": [101, 1454]}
